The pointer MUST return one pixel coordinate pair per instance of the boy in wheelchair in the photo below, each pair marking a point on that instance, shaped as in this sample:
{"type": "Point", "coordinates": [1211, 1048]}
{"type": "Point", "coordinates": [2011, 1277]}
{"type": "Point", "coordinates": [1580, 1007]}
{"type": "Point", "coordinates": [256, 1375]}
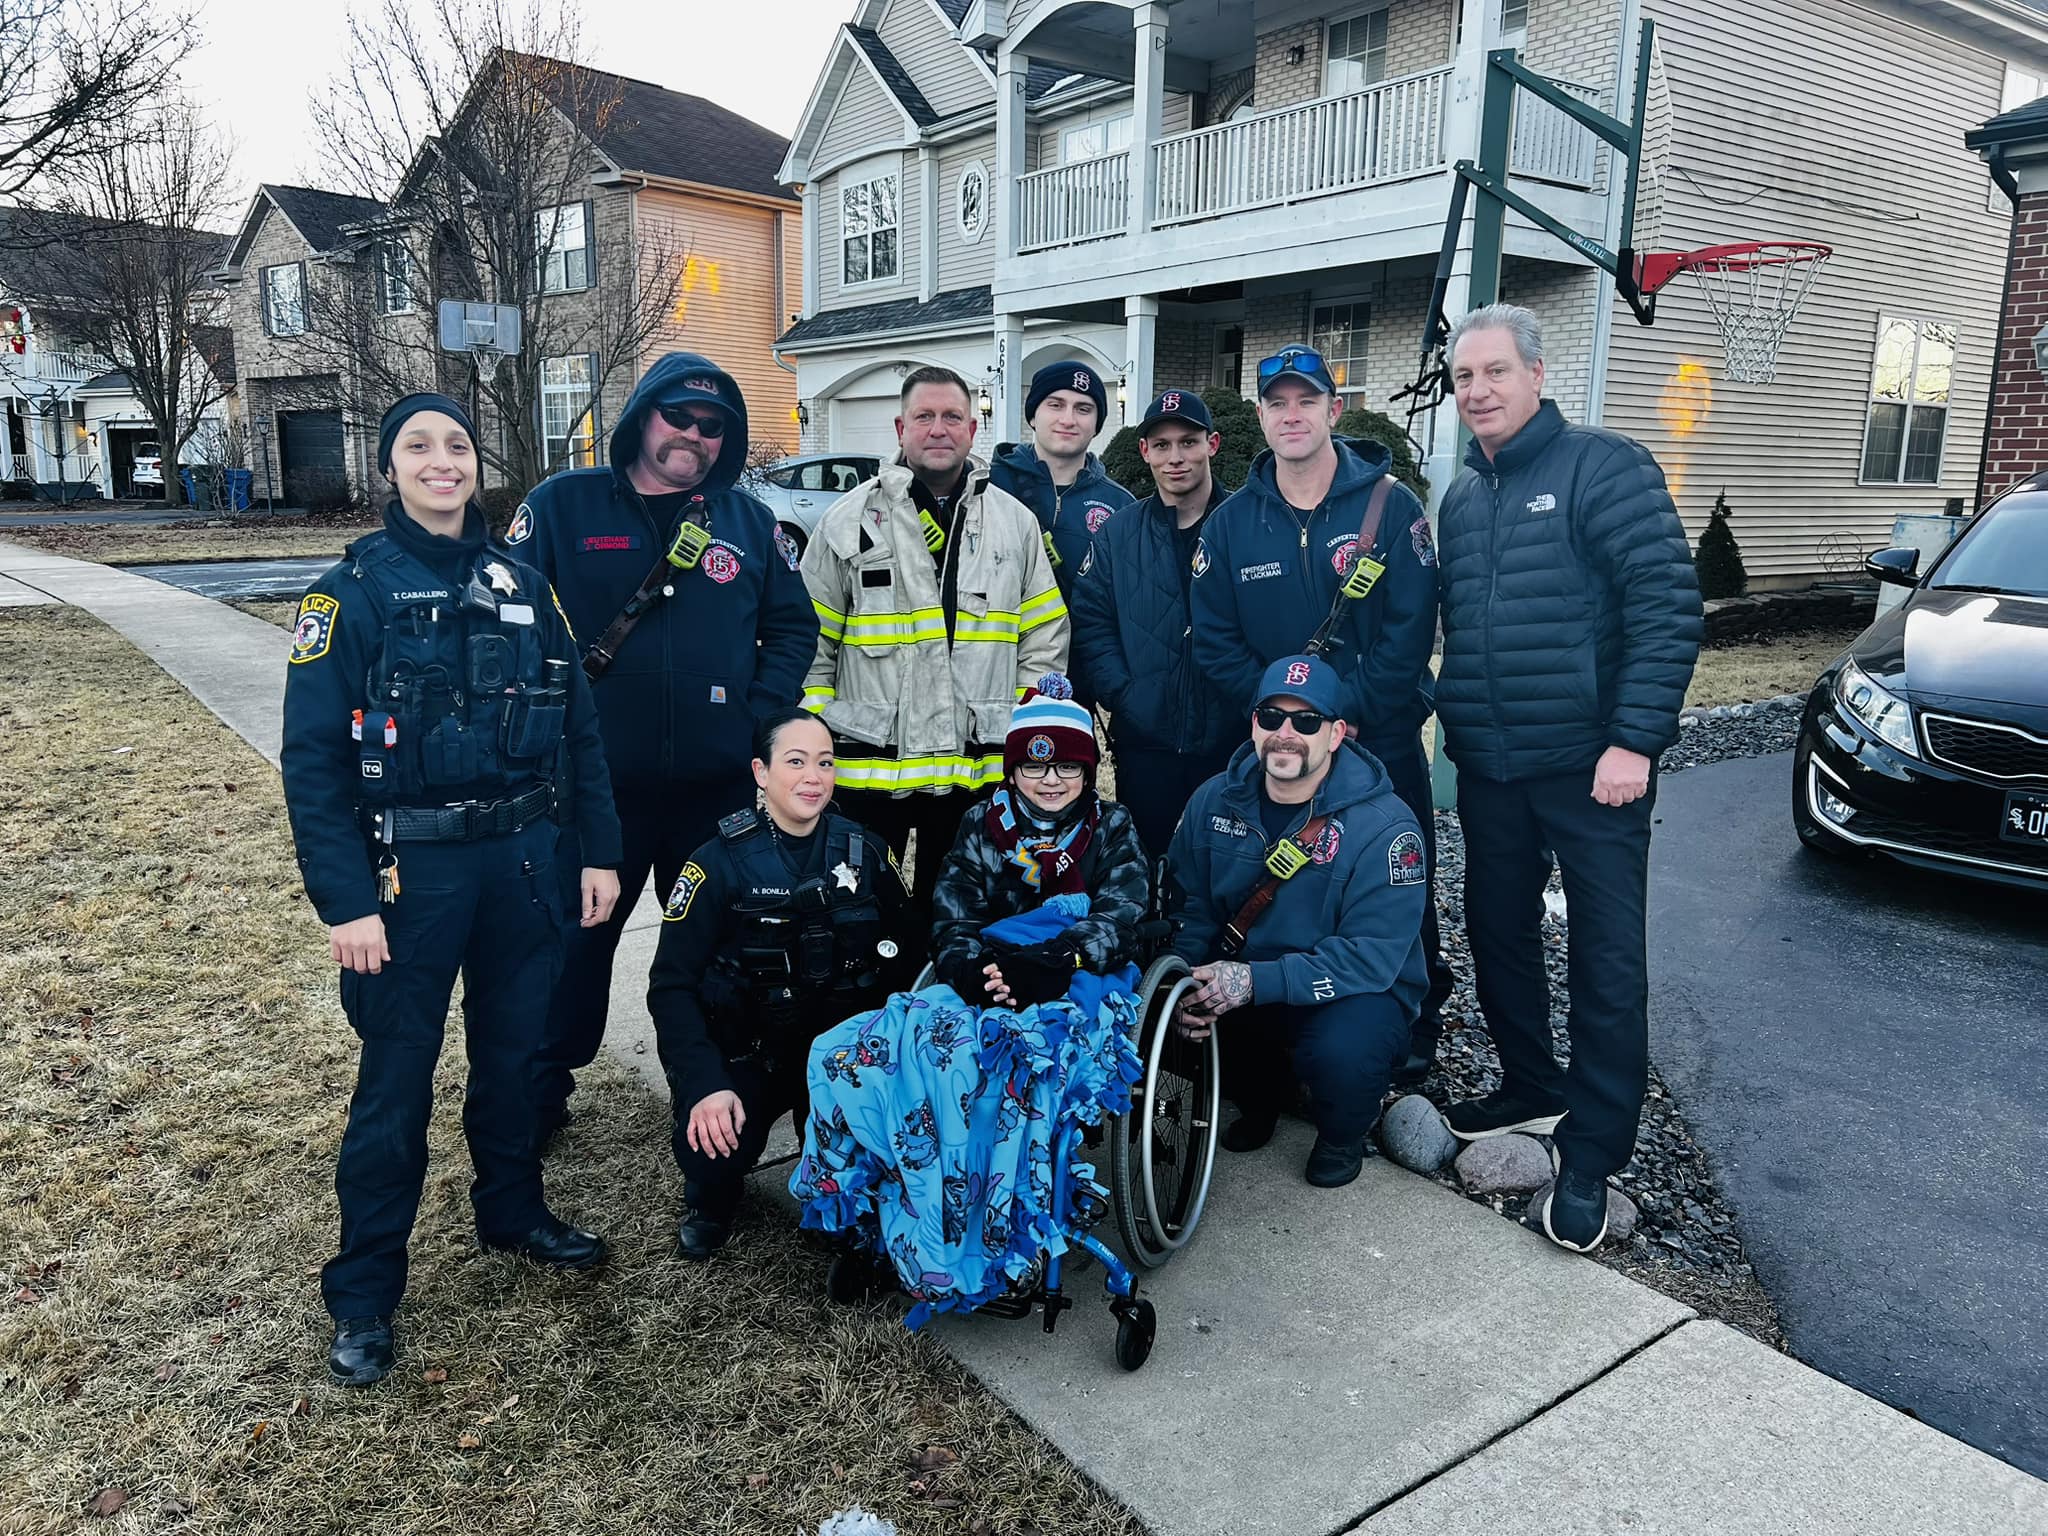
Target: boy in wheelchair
{"type": "Point", "coordinates": [940, 1122]}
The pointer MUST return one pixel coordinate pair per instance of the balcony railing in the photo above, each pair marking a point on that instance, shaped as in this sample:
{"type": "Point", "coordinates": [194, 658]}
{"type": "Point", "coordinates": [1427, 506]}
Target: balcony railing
{"type": "Point", "coordinates": [1551, 146]}
{"type": "Point", "coordinates": [1084, 200]}
{"type": "Point", "coordinates": [1392, 130]}
{"type": "Point", "coordinates": [42, 365]}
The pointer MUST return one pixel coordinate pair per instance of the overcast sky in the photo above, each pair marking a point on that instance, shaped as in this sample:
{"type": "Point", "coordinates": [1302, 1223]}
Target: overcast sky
{"type": "Point", "coordinates": [262, 58]}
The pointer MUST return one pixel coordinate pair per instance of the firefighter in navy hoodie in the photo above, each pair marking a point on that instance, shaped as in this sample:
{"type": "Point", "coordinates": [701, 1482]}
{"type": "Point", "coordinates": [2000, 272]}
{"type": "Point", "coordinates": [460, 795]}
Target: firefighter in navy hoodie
{"type": "Point", "coordinates": [1300, 884]}
{"type": "Point", "coordinates": [1268, 571]}
{"type": "Point", "coordinates": [1054, 474]}
{"type": "Point", "coordinates": [694, 622]}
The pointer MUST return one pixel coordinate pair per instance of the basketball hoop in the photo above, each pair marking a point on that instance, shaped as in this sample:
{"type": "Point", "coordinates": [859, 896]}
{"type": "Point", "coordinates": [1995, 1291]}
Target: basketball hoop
{"type": "Point", "coordinates": [1754, 289]}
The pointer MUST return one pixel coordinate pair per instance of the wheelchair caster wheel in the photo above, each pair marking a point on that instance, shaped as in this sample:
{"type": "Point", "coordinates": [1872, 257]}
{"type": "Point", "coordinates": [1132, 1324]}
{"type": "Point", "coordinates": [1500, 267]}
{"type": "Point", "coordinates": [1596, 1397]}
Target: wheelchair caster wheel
{"type": "Point", "coordinates": [1136, 1327]}
{"type": "Point", "coordinates": [850, 1280]}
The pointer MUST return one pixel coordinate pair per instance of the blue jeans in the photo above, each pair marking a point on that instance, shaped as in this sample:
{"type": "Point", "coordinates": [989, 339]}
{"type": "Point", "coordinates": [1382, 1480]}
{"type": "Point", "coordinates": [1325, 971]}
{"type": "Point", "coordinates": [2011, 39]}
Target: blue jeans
{"type": "Point", "coordinates": [1344, 1051]}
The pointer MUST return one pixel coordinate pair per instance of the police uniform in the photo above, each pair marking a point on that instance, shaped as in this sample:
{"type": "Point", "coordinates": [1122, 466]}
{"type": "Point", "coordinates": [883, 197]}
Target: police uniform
{"type": "Point", "coordinates": [431, 700]}
{"type": "Point", "coordinates": [767, 940]}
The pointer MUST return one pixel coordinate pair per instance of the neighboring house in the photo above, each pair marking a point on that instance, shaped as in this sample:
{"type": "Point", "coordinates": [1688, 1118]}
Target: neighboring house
{"type": "Point", "coordinates": [682, 182]}
{"type": "Point", "coordinates": [1174, 191]}
{"type": "Point", "coordinates": [72, 419]}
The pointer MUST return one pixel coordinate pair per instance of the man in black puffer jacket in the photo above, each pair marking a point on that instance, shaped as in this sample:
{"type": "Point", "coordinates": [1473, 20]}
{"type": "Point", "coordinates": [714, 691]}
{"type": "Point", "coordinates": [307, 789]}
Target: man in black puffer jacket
{"type": "Point", "coordinates": [1571, 624]}
{"type": "Point", "coordinates": [1172, 729]}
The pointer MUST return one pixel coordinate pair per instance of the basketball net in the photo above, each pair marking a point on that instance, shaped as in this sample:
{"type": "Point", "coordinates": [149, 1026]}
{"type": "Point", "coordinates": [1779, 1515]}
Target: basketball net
{"type": "Point", "coordinates": [1754, 291]}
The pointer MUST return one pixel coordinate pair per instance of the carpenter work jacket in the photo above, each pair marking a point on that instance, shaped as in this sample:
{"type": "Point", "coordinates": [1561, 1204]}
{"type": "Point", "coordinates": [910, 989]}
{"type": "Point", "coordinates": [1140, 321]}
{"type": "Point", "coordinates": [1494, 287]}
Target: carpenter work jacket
{"type": "Point", "coordinates": [918, 695]}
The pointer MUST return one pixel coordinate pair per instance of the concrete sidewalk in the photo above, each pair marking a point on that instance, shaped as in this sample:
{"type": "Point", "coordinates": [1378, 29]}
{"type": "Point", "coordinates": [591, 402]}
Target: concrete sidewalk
{"type": "Point", "coordinates": [1386, 1358]}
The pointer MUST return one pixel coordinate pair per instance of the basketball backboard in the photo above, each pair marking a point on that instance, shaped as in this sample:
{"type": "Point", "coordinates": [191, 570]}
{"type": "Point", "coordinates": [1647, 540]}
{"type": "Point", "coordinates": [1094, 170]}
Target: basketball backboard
{"type": "Point", "coordinates": [483, 330]}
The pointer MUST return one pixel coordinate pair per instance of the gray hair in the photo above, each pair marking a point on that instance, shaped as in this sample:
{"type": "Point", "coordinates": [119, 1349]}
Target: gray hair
{"type": "Point", "coordinates": [1518, 322]}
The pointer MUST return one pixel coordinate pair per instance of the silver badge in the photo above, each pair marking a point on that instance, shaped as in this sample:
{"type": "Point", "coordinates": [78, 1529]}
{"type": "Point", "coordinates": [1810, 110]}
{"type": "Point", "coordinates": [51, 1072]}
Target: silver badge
{"type": "Point", "coordinates": [501, 579]}
{"type": "Point", "coordinates": [847, 876]}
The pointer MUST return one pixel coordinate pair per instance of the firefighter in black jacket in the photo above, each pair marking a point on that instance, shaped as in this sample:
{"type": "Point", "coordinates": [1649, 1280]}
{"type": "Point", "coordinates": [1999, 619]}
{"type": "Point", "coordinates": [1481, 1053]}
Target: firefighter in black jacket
{"type": "Point", "coordinates": [431, 698]}
{"type": "Point", "coordinates": [695, 624]}
{"type": "Point", "coordinates": [788, 921]}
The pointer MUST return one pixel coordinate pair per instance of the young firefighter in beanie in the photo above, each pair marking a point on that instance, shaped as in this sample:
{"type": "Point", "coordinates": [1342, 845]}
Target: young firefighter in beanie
{"type": "Point", "coordinates": [1044, 833]}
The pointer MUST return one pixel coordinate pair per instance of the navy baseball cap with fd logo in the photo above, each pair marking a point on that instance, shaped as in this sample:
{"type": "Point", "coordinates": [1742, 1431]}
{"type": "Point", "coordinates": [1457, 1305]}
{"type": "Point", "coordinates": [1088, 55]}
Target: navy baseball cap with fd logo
{"type": "Point", "coordinates": [1176, 405]}
{"type": "Point", "coordinates": [1305, 678]}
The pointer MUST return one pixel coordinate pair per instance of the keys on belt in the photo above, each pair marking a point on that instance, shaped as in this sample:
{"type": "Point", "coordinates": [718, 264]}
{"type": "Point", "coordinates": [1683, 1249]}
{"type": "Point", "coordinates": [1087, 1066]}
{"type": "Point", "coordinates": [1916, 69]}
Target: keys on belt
{"type": "Point", "coordinates": [466, 822]}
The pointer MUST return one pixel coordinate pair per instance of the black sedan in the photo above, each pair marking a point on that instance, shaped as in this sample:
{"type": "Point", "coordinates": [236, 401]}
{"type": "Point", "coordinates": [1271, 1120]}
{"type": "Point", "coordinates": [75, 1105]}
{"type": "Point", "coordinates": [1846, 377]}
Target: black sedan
{"type": "Point", "coordinates": [1927, 740]}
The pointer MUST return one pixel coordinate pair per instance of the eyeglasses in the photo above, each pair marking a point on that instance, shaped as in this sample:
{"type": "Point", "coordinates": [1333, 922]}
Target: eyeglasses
{"type": "Point", "coordinates": [1307, 722]}
{"type": "Point", "coordinates": [1292, 360]}
{"type": "Point", "coordinates": [710, 426]}
{"type": "Point", "coordinates": [1041, 771]}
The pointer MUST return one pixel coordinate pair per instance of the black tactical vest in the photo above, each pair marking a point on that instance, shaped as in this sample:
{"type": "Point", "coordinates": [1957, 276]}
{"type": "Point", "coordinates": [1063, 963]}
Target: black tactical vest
{"type": "Point", "coordinates": [461, 690]}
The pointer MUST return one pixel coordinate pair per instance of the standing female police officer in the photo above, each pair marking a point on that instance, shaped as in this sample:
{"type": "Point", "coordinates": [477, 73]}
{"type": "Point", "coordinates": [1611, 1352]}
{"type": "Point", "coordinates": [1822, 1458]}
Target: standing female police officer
{"type": "Point", "coordinates": [788, 921]}
{"type": "Point", "coordinates": [431, 697]}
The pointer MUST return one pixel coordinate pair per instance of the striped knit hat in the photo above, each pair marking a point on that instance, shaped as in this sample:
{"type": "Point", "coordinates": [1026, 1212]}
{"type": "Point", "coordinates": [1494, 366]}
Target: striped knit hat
{"type": "Point", "coordinates": [1050, 727]}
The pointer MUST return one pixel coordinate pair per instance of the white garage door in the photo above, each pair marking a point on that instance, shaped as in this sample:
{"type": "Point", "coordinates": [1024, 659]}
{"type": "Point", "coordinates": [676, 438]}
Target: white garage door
{"type": "Point", "coordinates": [865, 426]}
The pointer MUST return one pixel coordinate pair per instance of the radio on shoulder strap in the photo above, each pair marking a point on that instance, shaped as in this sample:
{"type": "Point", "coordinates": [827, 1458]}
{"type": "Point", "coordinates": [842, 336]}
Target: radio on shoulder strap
{"type": "Point", "coordinates": [1364, 572]}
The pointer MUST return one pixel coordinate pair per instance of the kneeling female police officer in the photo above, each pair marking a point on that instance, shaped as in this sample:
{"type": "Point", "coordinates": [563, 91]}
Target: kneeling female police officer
{"type": "Point", "coordinates": [431, 700]}
{"type": "Point", "coordinates": [788, 921]}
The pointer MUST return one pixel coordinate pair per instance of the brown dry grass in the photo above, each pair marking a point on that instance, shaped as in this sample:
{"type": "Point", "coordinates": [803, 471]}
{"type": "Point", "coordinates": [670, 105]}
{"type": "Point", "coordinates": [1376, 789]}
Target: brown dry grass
{"type": "Point", "coordinates": [164, 543]}
{"type": "Point", "coordinates": [280, 612]}
{"type": "Point", "coordinates": [1743, 674]}
{"type": "Point", "coordinates": [176, 1070]}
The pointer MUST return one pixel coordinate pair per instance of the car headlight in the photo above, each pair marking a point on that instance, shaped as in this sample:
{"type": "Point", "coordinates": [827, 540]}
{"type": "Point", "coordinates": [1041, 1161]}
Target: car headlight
{"type": "Point", "coordinates": [1883, 713]}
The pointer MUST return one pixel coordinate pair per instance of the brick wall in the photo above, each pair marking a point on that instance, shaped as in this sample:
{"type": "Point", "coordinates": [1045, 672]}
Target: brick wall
{"type": "Point", "coordinates": [1562, 298]}
{"type": "Point", "coordinates": [1281, 83]}
{"type": "Point", "coordinates": [1577, 40]}
{"type": "Point", "coordinates": [1418, 35]}
{"type": "Point", "coordinates": [2019, 406]}
{"type": "Point", "coordinates": [1271, 321]}
{"type": "Point", "coordinates": [1183, 355]}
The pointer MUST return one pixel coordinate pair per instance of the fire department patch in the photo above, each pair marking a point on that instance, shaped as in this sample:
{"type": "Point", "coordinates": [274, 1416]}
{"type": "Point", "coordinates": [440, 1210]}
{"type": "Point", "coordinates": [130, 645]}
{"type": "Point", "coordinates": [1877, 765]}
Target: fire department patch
{"type": "Point", "coordinates": [1328, 842]}
{"type": "Point", "coordinates": [1425, 546]}
{"type": "Point", "coordinates": [522, 525]}
{"type": "Point", "coordinates": [721, 564]}
{"type": "Point", "coordinates": [687, 885]}
{"type": "Point", "coordinates": [1097, 516]}
{"type": "Point", "coordinates": [315, 630]}
{"type": "Point", "coordinates": [786, 547]}
{"type": "Point", "coordinates": [1342, 556]}
{"type": "Point", "coordinates": [1405, 864]}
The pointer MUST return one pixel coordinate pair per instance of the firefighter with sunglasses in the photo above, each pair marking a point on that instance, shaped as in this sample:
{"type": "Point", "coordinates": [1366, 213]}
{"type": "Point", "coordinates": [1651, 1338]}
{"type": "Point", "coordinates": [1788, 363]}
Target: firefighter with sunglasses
{"type": "Point", "coordinates": [692, 623]}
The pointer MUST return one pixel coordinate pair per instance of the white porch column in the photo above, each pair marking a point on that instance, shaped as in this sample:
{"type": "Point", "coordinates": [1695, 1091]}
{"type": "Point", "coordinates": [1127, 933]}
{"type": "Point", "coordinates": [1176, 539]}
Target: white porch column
{"type": "Point", "coordinates": [1148, 105]}
{"type": "Point", "coordinates": [1007, 425]}
{"type": "Point", "coordinates": [1141, 328]}
{"type": "Point", "coordinates": [1010, 156]}
{"type": "Point", "coordinates": [1461, 133]}
{"type": "Point", "coordinates": [812, 216]}
{"type": "Point", "coordinates": [928, 233]}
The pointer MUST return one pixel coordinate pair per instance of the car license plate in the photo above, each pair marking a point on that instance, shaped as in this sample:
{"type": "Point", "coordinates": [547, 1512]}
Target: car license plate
{"type": "Point", "coordinates": [2026, 819]}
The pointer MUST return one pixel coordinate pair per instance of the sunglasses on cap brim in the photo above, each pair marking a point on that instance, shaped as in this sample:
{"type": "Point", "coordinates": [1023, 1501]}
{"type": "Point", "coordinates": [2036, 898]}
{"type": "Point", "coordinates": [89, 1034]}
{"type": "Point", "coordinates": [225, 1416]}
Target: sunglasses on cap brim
{"type": "Point", "coordinates": [1300, 360]}
{"type": "Point", "coordinates": [710, 423]}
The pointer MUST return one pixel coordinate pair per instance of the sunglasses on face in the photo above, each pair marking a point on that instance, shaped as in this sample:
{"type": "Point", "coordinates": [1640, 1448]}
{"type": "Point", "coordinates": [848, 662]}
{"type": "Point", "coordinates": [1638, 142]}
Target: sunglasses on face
{"type": "Point", "coordinates": [710, 426]}
{"type": "Point", "coordinates": [1307, 722]}
{"type": "Point", "coordinates": [1041, 771]}
{"type": "Point", "coordinates": [1294, 359]}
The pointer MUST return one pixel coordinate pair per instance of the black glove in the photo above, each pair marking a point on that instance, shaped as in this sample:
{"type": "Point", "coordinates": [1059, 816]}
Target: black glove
{"type": "Point", "coordinates": [1037, 973]}
{"type": "Point", "coordinates": [962, 972]}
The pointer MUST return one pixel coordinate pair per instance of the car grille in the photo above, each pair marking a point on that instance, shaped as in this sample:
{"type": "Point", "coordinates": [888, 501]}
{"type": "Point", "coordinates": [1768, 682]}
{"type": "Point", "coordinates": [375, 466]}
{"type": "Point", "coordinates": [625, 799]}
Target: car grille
{"type": "Point", "coordinates": [1990, 751]}
{"type": "Point", "coordinates": [1939, 840]}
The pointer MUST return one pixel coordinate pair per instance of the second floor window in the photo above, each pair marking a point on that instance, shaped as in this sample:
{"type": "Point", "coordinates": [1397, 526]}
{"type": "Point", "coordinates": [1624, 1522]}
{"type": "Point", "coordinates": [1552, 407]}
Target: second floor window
{"type": "Point", "coordinates": [284, 299]}
{"type": "Point", "coordinates": [568, 410]}
{"type": "Point", "coordinates": [1909, 394]}
{"type": "Point", "coordinates": [561, 237]}
{"type": "Point", "coordinates": [1095, 139]}
{"type": "Point", "coordinates": [868, 230]}
{"type": "Point", "coordinates": [1357, 55]}
{"type": "Point", "coordinates": [397, 279]}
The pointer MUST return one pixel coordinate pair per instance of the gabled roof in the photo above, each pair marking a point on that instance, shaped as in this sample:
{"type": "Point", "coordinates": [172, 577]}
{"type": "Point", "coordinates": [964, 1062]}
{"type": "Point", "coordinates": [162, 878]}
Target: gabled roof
{"type": "Point", "coordinates": [40, 260]}
{"type": "Point", "coordinates": [2021, 125]}
{"type": "Point", "coordinates": [954, 307]}
{"type": "Point", "coordinates": [894, 76]}
{"type": "Point", "coordinates": [320, 216]}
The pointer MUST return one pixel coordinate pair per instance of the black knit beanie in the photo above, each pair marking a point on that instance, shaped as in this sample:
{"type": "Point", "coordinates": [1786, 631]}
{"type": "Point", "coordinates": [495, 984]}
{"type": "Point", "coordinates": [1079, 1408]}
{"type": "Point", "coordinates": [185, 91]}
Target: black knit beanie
{"type": "Point", "coordinates": [405, 409]}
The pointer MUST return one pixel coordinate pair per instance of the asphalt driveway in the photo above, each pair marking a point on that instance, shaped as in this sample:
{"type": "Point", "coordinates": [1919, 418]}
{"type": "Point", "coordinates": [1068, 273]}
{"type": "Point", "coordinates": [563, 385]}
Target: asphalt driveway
{"type": "Point", "coordinates": [246, 579]}
{"type": "Point", "coordinates": [1863, 1051]}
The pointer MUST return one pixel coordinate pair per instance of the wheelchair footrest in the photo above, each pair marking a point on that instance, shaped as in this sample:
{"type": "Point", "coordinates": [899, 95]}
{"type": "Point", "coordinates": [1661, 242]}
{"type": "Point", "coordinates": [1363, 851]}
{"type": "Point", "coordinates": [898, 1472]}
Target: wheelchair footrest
{"type": "Point", "coordinates": [1011, 1305]}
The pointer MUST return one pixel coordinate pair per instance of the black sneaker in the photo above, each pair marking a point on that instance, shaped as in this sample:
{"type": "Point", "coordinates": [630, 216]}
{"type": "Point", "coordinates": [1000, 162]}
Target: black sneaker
{"type": "Point", "coordinates": [1574, 1213]}
{"type": "Point", "coordinates": [1333, 1164]}
{"type": "Point", "coordinates": [700, 1236]}
{"type": "Point", "coordinates": [1248, 1133]}
{"type": "Point", "coordinates": [1499, 1114]}
{"type": "Point", "coordinates": [361, 1353]}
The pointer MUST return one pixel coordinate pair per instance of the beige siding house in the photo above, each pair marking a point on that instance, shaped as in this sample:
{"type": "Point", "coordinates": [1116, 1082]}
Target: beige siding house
{"type": "Point", "coordinates": [1175, 191]}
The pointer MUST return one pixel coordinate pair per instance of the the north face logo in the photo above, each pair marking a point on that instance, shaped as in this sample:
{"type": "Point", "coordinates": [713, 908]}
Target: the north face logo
{"type": "Point", "coordinates": [1544, 503]}
{"type": "Point", "coordinates": [1297, 674]}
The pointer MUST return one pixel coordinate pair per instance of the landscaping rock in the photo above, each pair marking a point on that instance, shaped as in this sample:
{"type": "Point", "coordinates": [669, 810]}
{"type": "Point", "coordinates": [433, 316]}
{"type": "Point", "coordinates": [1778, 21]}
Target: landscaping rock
{"type": "Point", "coordinates": [1413, 1134]}
{"type": "Point", "coordinates": [1504, 1165]}
{"type": "Point", "coordinates": [1622, 1214]}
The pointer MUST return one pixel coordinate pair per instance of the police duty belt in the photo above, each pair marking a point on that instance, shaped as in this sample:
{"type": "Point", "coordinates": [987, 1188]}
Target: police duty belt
{"type": "Point", "coordinates": [1289, 857]}
{"type": "Point", "coordinates": [691, 540]}
{"type": "Point", "coordinates": [1365, 570]}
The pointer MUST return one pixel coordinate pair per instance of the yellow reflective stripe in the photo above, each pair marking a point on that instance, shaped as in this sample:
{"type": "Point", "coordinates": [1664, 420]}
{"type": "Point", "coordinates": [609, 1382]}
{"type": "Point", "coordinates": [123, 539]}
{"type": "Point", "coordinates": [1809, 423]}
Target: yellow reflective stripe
{"type": "Point", "coordinates": [831, 624]}
{"type": "Point", "coordinates": [996, 636]}
{"type": "Point", "coordinates": [875, 629]}
{"type": "Point", "coordinates": [815, 699]}
{"type": "Point", "coordinates": [1043, 609]}
{"type": "Point", "coordinates": [940, 771]}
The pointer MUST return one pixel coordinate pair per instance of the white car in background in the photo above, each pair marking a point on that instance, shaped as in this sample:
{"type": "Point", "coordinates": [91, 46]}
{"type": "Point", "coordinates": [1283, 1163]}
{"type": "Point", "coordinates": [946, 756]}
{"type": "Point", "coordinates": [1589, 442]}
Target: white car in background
{"type": "Point", "coordinates": [799, 490]}
{"type": "Point", "coordinates": [149, 467]}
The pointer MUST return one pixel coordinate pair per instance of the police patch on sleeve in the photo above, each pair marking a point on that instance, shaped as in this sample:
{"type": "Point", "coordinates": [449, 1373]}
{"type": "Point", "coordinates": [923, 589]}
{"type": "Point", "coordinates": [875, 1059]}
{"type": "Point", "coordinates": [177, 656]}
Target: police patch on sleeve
{"type": "Point", "coordinates": [1405, 864]}
{"type": "Point", "coordinates": [1201, 560]}
{"type": "Point", "coordinates": [1425, 546]}
{"type": "Point", "coordinates": [687, 885]}
{"type": "Point", "coordinates": [522, 525]}
{"type": "Point", "coordinates": [314, 631]}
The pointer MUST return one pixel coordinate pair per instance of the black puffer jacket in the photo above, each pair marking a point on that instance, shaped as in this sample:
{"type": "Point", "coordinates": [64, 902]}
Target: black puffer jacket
{"type": "Point", "coordinates": [1133, 641]}
{"type": "Point", "coordinates": [1571, 611]}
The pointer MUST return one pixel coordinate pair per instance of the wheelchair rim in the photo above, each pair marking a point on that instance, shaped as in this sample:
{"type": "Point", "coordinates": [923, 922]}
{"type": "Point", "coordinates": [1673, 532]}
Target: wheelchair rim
{"type": "Point", "coordinates": [1194, 1181]}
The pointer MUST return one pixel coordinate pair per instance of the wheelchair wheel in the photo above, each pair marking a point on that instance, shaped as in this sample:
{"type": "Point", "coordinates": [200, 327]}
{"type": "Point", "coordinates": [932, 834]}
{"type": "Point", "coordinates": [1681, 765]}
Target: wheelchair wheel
{"type": "Point", "coordinates": [1137, 1325]}
{"type": "Point", "coordinates": [1163, 1152]}
{"type": "Point", "coordinates": [925, 978]}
